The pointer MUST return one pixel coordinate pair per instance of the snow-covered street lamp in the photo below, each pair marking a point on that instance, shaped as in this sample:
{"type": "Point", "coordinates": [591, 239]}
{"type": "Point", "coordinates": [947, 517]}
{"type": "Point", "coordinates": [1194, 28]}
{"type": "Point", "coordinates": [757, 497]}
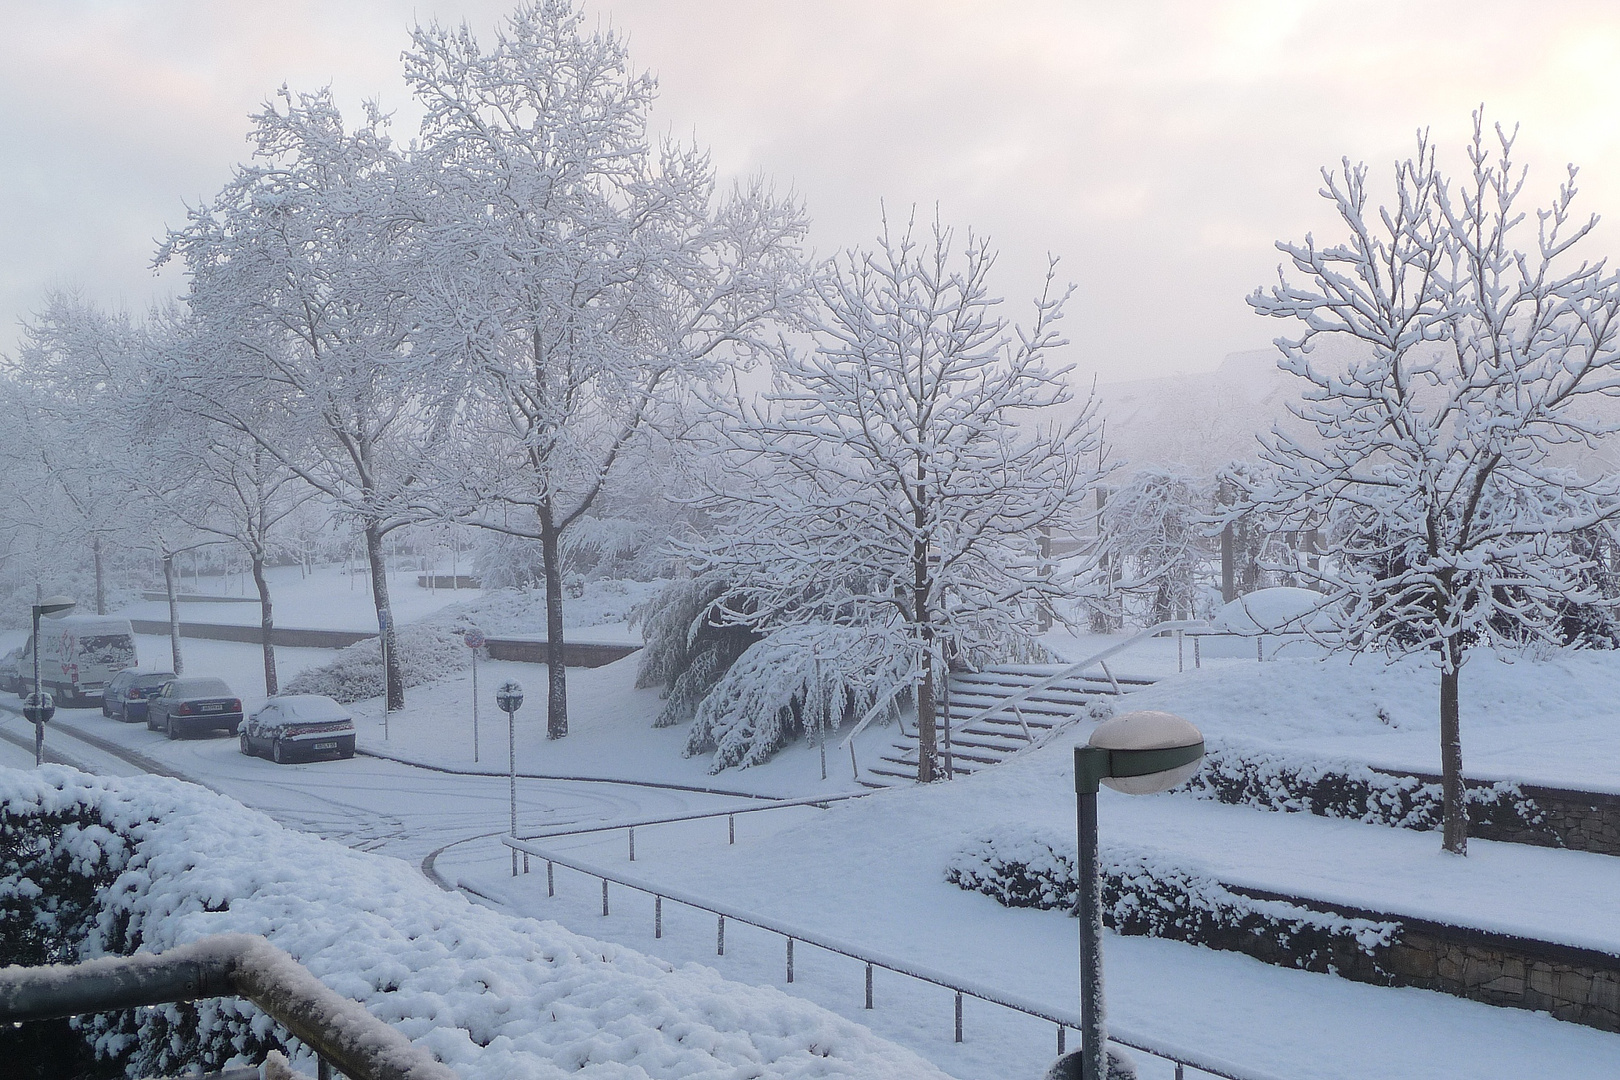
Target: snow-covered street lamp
{"type": "Point", "coordinates": [509, 696]}
{"type": "Point", "coordinates": [39, 708]}
{"type": "Point", "coordinates": [1139, 753]}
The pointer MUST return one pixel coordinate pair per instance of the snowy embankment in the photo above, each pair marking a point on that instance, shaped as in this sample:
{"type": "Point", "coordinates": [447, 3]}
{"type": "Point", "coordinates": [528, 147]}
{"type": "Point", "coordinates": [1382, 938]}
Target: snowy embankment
{"type": "Point", "coordinates": [490, 995]}
{"type": "Point", "coordinates": [1550, 721]}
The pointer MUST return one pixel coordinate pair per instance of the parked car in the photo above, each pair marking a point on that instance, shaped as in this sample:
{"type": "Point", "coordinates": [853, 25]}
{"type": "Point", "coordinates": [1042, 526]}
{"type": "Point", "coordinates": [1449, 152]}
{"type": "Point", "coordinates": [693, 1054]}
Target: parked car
{"type": "Point", "coordinates": [127, 695]}
{"type": "Point", "coordinates": [12, 679]}
{"type": "Point", "coordinates": [299, 727]}
{"type": "Point", "coordinates": [78, 656]}
{"type": "Point", "coordinates": [185, 706]}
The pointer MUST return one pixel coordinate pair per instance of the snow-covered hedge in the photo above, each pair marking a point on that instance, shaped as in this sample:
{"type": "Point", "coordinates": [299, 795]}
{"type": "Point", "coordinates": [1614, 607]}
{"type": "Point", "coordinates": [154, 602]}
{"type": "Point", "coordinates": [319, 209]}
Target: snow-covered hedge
{"type": "Point", "coordinates": [798, 680]}
{"type": "Point", "coordinates": [1145, 895]}
{"type": "Point", "coordinates": [148, 863]}
{"type": "Point", "coordinates": [1270, 779]}
{"type": "Point", "coordinates": [427, 653]}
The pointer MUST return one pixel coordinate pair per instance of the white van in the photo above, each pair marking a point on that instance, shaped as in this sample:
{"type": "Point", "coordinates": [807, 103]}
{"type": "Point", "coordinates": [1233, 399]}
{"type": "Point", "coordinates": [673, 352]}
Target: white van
{"type": "Point", "coordinates": [78, 656]}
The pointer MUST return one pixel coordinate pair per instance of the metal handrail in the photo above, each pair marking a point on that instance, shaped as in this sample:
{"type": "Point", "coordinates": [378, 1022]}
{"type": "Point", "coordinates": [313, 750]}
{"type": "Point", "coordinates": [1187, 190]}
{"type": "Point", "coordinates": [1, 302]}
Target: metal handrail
{"type": "Point", "coordinates": [337, 1028]}
{"type": "Point", "coordinates": [1076, 668]}
{"type": "Point", "coordinates": [960, 987]}
{"type": "Point", "coordinates": [638, 823]}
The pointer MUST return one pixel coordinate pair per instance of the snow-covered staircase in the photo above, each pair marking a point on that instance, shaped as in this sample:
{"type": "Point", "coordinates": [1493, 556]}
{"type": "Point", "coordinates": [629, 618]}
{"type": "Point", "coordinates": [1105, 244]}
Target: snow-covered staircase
{"type": "Point", "coordinates": [982, 734]}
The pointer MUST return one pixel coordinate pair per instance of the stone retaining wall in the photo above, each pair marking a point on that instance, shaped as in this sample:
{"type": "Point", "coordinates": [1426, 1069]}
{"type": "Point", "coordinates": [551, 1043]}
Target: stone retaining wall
{"type": "Point", "coordinates": [1579, 985]}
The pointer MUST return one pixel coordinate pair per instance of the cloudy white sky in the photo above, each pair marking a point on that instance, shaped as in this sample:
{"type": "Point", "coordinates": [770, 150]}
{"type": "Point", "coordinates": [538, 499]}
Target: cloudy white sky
{"type": "Point", "coordinates": [1159, 148]}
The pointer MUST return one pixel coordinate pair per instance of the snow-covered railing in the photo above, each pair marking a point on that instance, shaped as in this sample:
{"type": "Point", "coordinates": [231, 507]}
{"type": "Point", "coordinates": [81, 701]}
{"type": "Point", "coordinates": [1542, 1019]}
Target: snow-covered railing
{"type": "Point", "coordinates": [630, 827]}
{"type": "Point", "coordinates": [1178, 1056]}
{"type": "Point", "coordinates": [339, 1030]}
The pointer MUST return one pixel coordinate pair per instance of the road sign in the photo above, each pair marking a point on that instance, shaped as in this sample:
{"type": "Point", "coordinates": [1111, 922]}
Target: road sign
{"type": "Point", "coordinates": [473, 637]}
{"type": "Point", "coordinates": [509, 697]}
{"type": "Point", "coordinates": [39, 710]}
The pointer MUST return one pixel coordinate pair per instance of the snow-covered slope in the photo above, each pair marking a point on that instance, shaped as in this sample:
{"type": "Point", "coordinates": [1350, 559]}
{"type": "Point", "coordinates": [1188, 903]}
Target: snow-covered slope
{"type": "Point", "coordinates": [490, 995]}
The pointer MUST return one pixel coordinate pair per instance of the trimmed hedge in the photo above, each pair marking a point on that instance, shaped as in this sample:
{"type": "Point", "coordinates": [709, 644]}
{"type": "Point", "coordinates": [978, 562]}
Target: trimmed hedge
{"type": "Point", "coordinates": [1143, 895]}
{"type": "Point", "coordinates": [1270, 780]}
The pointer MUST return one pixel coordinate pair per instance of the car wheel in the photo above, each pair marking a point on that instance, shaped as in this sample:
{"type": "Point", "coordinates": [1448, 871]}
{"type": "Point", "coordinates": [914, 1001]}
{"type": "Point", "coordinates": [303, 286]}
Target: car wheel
{"type": "Point", "coordinates": [247, 748]}
{"type": "Point", "coordinates": [168, 728]}
{"type": "Point", "coordinates": [104, 710]}
{"type": "Point", "coordinates": [277, 753]}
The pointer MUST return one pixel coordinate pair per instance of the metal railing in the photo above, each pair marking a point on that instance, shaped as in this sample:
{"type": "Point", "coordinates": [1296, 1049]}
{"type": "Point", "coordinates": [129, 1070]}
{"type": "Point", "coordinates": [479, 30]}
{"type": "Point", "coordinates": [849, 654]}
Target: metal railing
{"type": "Point", "coordinates": [630, 827]}
{"type": "Point", "coordinates": [962, 989]}
{"type": "Point", "coordinates": [340, 1031]}
{"type": "Point", "coordinates": [1013, 701]}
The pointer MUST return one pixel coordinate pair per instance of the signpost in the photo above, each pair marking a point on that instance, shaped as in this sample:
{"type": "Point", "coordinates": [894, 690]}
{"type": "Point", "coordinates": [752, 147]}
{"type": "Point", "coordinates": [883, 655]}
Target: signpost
{"type": "Point", "coordinates": [473, 638]}
{"type": "Point", "coordinates": [1139, 753]}
{"type": "Point", "coordinates": [39, 708]}
{"type": "Point", "coordinates": [385, 619]}
{"type": "Point", "coordinates": [509, 696]}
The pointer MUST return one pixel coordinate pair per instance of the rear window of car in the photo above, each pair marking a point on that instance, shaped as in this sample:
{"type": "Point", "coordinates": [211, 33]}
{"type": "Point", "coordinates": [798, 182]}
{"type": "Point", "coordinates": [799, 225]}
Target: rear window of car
{"type": "Point", "coordinates": [148, 682]}
{"type": "Point", "coordinates": [316, 710]}
{"type": "Point", "coordinates": [201, 688]}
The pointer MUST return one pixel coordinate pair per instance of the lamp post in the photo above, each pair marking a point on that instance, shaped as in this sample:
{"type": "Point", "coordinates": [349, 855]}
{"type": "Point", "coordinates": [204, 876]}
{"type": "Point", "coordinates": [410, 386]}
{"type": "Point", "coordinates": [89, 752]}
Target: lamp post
{"type": "Point", "coordinates": [40, 708]}
{"type": "Point", "coordinates": [1139, 753]}
{"type": "Point", "coordinates": [509, 696]}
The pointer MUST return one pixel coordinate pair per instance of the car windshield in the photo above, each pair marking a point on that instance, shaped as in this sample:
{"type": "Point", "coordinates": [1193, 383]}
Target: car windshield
{"type": "Point", "coordinates": [110, 650]}
{"type": "Point", "coordinates": [201, 688]}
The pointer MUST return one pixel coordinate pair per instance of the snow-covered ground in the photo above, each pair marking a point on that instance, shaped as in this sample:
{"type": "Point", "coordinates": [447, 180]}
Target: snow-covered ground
{"type": "Point", "coordinates": [871, 871]}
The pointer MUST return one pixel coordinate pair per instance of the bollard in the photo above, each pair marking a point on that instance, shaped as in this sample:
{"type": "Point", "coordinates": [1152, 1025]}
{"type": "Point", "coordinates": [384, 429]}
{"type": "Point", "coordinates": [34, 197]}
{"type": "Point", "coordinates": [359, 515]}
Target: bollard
{"type": "Point", "coordinates": [958, 1016]}
{"type": "Point", "coordinates": [868, 986]}
{"type": "Point", "coordinates": [632, 845]}
{"type": "Point", "coordinates": [790, 960]}
{"type": "Point", "coordinates": [658, 916]}
{"type": "Point", "coordinates": [551, 882]}
{"type": "Point", "coordinates": [731, 828]}
{"type": "Point", "coordinates": [1061, 1048]}
{"type": "Point", "coordinates": [604, 898]}
{"type": "Point", "coordinates": [720, 937]}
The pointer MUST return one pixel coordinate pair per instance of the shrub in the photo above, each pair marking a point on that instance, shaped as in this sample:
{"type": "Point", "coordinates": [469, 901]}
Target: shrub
{"type": "Point", "coordinates": [426, 654]}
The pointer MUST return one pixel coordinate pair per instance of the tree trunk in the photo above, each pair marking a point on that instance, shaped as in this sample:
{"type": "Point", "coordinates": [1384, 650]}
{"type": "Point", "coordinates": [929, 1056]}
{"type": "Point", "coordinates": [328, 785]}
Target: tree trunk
{"type": "Point", "coordinates": [556, 673]}
{"type": "Point", "coordinates": [921, 604]}
{"type": "Point", "coordinates": [101, 577]}
{"type": "Point", "coordinates": [174, 614]}
{"type": "Point", "coordinates": [1455, 831]}
{"type": "Point", "coordinates": [267, 624]}
{"type": "Point", "coordinates": [393, 682]}
{"type": "Point", "coordinates": [1228, 565]}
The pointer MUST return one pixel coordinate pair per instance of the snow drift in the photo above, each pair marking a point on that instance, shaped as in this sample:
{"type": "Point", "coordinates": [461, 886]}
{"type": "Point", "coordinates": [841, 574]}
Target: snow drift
{"type": "Point", "coordinates": [492, 996]}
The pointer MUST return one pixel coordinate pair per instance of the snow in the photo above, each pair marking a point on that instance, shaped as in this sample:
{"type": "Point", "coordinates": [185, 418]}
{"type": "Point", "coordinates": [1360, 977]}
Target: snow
{"type": "Point", "coordinates": [491, 996]}
{"type": "Point", "coordinates": [1274, 610]}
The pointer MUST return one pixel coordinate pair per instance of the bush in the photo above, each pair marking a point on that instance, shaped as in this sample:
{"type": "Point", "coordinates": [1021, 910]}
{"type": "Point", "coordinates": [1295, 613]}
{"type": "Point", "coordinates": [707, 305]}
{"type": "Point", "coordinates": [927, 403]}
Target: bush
{"type": "Point", "coordinates": [1144, 895]}
{"type": "Point", "coordinates": [148, 863]}
{"type": "Point", "coordinates": [426, 654]}
{"type": "Point", "coordinates": [1271, 780]}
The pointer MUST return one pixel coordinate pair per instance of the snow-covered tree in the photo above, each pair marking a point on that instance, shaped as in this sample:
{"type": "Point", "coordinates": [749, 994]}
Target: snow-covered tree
{"type": "Point", "coordinates": [1441, 459]}
{"type": "Point", "coordinates": [1152, 537]}
{"type": "Point", "coordinates": [303, 295]}
{"type": "Point", "coordinates": [584, 276]}
{"type": "Point", "coordinates": [896, 478]}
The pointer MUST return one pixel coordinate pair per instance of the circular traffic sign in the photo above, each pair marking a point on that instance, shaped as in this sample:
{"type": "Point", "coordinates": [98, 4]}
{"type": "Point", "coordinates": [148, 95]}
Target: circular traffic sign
{"type": "Point", "coordinates": [509, 696]}
{"type": "Point", "coordinates": [38, 709]}
{"type": "Point", "coordinates": [473, 637]}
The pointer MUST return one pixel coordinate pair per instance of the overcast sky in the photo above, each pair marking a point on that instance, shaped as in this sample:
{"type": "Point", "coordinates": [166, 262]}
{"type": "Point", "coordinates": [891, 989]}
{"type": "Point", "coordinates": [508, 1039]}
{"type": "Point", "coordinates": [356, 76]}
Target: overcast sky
{"type": "Point", "coordinates": [1158, 148]}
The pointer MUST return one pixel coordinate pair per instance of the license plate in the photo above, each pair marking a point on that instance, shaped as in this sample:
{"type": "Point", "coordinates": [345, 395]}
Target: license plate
{"type": "Point", "coordinates": [213, 708]}
{"type": "Point", "coordinates": [326, 745]}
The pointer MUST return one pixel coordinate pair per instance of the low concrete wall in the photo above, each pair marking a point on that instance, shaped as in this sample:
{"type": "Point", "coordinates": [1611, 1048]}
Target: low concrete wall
{"type": "Point", "coordinates": [445, 581]}
{"type": "Point", "coordinates": [1579, 985]}
{"type": "Point", "coordinates": [292, 637]}
{"type": "Point", "coordinates": [575, 653]}
{"type": "Point", "coordinates": [200, 598]}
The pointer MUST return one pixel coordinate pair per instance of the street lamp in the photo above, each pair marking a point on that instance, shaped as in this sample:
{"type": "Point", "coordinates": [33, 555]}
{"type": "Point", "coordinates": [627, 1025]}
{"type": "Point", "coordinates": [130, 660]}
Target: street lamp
{"type": "Point", "coordinates": [509, 696]}
{"type": "Point", "coordinates": [1139, 753]}
{"type": "Point", "coordinates": [39, 707]}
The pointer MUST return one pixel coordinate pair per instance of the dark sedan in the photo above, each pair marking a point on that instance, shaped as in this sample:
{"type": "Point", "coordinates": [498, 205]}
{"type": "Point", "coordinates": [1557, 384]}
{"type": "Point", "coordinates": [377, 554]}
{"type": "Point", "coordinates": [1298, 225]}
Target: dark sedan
{"type": "Point", "coordinates": [299, 727]}
{"type": "Point", "coordinates": [186, 706]}
{"type": "Point", "coordinates": [129, 691]}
